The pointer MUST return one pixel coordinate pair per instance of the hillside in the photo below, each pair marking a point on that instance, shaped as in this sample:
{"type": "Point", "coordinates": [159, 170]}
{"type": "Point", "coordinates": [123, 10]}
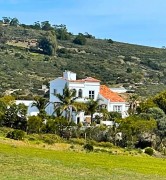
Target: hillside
{"type": "Point", "coordinates": [116, 64]}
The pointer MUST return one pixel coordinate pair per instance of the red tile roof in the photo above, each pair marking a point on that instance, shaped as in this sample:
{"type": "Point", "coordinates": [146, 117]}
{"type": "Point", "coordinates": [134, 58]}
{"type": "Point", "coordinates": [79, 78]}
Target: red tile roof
{"type": "Point", "coordinates": [110, 95]}
{"type": "Point", "coordinates": [88, 79]}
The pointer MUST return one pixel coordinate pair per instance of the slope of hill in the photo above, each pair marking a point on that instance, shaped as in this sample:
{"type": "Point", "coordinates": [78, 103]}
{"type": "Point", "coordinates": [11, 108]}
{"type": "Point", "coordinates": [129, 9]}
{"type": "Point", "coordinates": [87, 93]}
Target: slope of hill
{"type": "Point", "coordinates": [116, 64]}
{"type": "Point", "coordinates": [30, 159]}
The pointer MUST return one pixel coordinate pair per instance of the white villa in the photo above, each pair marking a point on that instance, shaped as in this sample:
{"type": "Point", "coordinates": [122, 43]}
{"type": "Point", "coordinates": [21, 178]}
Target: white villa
{"type": "Point", "coordinates": [86, 88]}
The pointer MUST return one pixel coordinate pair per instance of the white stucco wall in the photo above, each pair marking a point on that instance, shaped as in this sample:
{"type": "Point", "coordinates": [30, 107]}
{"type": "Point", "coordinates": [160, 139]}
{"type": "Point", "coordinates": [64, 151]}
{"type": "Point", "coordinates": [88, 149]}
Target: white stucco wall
{"type": "Point", "coordinates": [85, 87]}
{"type": "Point", "coordinates": [32, 110]}
{"type": "Point", "coordinates": [68, 75]}
{"type": "Point", "coordinates": [59, 85]}
{"type": "Point", "coordinates": [77, 115]}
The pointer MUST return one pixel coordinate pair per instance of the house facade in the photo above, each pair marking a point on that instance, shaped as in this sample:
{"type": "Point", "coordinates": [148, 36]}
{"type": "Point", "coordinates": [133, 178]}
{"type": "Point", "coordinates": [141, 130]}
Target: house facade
{"type": "Point", "coordinates": [85, 89]}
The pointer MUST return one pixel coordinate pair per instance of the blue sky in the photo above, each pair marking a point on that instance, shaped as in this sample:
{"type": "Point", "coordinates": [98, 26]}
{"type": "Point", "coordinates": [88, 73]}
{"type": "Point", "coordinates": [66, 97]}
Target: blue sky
{"type": "Point", "coordinates": [132, 21]}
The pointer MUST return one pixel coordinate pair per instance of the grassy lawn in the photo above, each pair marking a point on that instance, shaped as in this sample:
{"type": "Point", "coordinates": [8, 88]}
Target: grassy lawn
{"type": "Point", "coordinates": [25, 162]}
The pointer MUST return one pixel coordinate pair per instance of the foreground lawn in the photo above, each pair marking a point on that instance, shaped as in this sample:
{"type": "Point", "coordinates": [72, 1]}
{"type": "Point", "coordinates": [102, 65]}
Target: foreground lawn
{"type": "Point", "coordinates": [23, 162]}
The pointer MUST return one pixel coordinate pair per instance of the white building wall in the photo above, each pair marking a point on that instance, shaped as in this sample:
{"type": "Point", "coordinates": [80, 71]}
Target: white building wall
{"type": "Point", "coordinates": [31, 110]}
{"type": "Point", "coordinates": [50, 108]}
{"type": "Point", "coordinates": [85, 87]}
{"type": "Point", "coordinates": [103, 100]}
{"type": "Point", "coordinates": [78, 116]}
{"type": "Point", "coordinates": [58, 85]}
{"type": "Point", "coordinates": [121, 104]}
{"type": "Point", "coordinates": [68, 75]}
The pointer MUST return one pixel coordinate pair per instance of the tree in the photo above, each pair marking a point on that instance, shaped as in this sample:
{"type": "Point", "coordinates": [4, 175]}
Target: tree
{"type": "Point", "coordinates": [156, 113]}
{"type": "Point", "coordinates": [41, 103]}
{"type": "Point", "coordinates": [15, 116]}
{"type": "Point", "coordinates": [7, 100]}
{"type": "Point", "coordinates": [10, 116]}
{"type": "Point", "coordinates": [56, 125]}
{"type": "Point", "coordinates": [133, 104]}
{"type": "Point", "coordinates": [114, 115]}
{"type": "Point", "coordinates": [21, 120]}
{"type": "Point", "coordinates": [67, 100]}
{"type": "Point", "coordinates": [48, 44]}
{"type": "Point", "coordinates": [110, 41]}
{"type": "Point", "coordinates": [45, 25]}
{"type": "Point", "coordinates": [144, 106]}
{"type": "Point", "coordinates": [161, 129]}
{"type": "Point", "coordinates": [37, 25]}
{"type": "Point", "coordinates": [34, 124]}
{"type": "Point", "coordinates": [160, 100]}
{"type": "Point", "coordinates": [80, 39]}
{"type": "Point", "coordinates": [92, 107]}
{"type": "Point", "coordinates": [14, 22]}
{"type": "Point", "coordinates": [61, 32]}
{"type": "Point", "coordinates": [6, 20]}
{"type": "Point", "coordinates": [134, 126]}
{"type": "Point", "coordinates": [87, 35]}
{"type": "Point", "coordinates": [105, 114]}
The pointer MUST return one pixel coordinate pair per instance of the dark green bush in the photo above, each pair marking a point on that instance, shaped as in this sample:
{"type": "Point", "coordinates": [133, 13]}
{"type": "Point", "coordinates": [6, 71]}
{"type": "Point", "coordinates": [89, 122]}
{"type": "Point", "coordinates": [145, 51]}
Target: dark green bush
{"type": "Point", "coordinates": [16, 134]}
{"type": "Point", "coordinates": [149, 151]}
{"type": "Point", "coordinates": [88, 147]}
{"type": "Point", "coordinates": [110, 41]}
{"type": "Point", "coordinates": [80, 39]}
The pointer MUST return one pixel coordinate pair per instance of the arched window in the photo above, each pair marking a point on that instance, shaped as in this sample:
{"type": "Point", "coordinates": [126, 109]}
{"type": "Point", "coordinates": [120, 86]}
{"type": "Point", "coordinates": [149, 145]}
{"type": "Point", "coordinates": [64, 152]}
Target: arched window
{"type": "Point", "coordinates": [75, 91]}
{"type": "Point", "coordinates": [80, 93]}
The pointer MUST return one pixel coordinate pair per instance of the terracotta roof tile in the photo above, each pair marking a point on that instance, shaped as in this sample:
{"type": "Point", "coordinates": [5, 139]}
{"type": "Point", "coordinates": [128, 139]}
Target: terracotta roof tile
{"type": "Point", "coordinates": [110, 95]}
{"type": "Point", "coordinates": [88, 79]}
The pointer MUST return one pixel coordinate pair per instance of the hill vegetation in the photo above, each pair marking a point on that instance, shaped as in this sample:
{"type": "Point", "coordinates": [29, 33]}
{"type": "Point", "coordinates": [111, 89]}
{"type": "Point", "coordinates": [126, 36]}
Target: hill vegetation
{"type": "Point", "coordinates": [26, 66]}
{"type": "Point", "coordinates": [31, 55]}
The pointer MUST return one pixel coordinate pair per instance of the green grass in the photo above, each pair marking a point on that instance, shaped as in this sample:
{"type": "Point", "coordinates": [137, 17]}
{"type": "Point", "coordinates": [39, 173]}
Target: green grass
{"type": "Point", "coordinates": [24, 162]}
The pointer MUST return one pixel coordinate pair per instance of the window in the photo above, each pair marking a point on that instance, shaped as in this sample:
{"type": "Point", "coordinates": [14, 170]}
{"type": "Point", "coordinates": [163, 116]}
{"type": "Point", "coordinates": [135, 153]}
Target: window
{"type": "Point", "coordinates": [75, 91]}
{"type": "Point", "coordinates": [78, 120]}
{"type": "Point", "coordinates": [91, 94]}
{"type": "Point", "coordinates": [117, 108]}
{"type": "Point", "coordinates": [55, 91]}
{"type": "Point", "coordinates": [80, 93]}
{"type": "Point", "coordinates": [103, 106]}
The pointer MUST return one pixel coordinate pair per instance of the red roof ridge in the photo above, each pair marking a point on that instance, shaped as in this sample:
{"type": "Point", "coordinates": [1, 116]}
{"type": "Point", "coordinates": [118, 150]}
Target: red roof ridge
{"type": "Point", "coordinates": [110, 95]}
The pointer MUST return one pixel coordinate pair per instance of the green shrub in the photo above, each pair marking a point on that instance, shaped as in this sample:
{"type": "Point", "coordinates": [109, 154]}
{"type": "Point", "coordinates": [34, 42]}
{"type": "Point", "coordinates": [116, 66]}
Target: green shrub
{"type": "Point", "coordinates": [149, 151]}
{"type": "Point", "coordinates": [88, 147]}
{"type": "Point", "coordinates": [49, 140]}
{"type": "Point", "coordinates": [16, 134]}
{"type": "Point", "coordinates": [80, 39]}
{"type": "Point", "coordinates": [110, 41]}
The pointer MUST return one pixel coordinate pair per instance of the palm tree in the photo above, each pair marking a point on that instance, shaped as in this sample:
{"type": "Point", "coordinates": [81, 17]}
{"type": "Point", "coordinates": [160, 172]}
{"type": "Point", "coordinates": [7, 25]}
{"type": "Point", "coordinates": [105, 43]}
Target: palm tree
{"type": "Point", "coordinates": [133, 101]}
{"type": "Point", "coordinates": [92, 107]}
{"type": "Point", "coordinates": [41, 103]}
{"type": "Point", "coordinates": [67, 102]}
